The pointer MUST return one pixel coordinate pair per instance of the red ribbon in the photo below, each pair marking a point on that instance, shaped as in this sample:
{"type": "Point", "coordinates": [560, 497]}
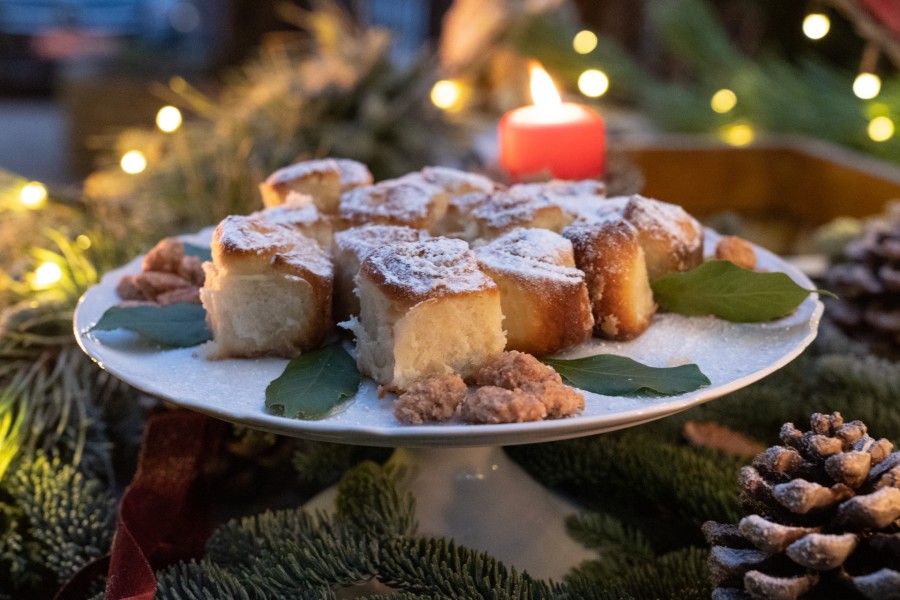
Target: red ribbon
{"type": "Point", "coordinates": [887, 12]}
{"type": "Point", "coordinates": [163, 516]}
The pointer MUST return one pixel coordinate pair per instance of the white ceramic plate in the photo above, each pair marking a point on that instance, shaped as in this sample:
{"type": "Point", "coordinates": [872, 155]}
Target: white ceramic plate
{"type": "Point", "coordinates": [732, 355]}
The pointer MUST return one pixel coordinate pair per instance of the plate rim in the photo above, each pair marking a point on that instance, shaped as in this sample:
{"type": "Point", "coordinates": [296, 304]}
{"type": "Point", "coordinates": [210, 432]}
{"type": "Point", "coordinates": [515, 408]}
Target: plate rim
{"type": "Point", "coordinates": [454, 434]}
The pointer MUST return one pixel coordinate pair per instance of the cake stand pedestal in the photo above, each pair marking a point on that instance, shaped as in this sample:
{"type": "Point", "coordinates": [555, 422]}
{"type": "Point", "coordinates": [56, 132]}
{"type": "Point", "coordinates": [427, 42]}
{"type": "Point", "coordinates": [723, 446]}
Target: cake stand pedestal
{"type": "Point", "coordinates": [483, 500]}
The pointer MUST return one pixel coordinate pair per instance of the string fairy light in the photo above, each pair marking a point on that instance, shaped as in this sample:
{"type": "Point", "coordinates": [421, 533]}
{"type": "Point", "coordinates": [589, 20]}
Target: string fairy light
{"type": "Point", "coordinates": [816, 25]}
{"type": "Point", "coordinates": [46, 275]}
{"type": "Point", "coordinates": [867, 84]}
{"type": "Point", "coordinates": [133, 162]}
{"type": "Point", "coordinates": [446, 94]}
{"type": "Point", "coordinates": [584, 42]}
{"type": "Point", "coordinates": [593, 83]}
{"type": "Point", "coordinates": [723, 101]}
{"type": "Point", "coordinates": [33, 195]}
{"type": "Point", "coordinates": [168, 119]}
{"type": "Point", "coordinates": [881, 129]}
{"type": "Point", "coordinates": [737, 134]}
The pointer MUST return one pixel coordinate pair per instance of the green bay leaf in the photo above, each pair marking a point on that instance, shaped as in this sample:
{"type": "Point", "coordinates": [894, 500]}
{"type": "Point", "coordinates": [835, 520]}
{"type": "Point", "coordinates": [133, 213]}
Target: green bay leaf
{"type": "Point", "coordinates": [725, 290]}
{"type": "Point", "coordinates": [313, 384]}
{"type": "Point", "coordinates": [180, 325]}
{"type": "Point", "coordinates": [613, 375]}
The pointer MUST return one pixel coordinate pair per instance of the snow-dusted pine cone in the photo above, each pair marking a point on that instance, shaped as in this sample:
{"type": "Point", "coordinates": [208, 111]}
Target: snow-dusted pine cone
{"type": "Point", "coordinates": [868, 285]}
{"type": "Point", "coordinates": [823, 519]}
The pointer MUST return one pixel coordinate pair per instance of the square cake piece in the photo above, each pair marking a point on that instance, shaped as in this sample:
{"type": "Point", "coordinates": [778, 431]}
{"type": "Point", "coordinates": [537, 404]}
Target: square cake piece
{"type": "Point", "coordinates": [267, 291]}
{"type": "Point", "coordinates": [545, 301]}
{"type": "Point", "coordinates": [426, 309]}
{"type": "Point", "coordinates": [324, 179]}
{"type": "Point", "coordinates": [351, 247]}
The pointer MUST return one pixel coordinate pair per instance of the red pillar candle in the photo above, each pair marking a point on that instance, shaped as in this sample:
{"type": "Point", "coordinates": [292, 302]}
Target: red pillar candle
{"type": "Point", "coordinates": [564, 138]}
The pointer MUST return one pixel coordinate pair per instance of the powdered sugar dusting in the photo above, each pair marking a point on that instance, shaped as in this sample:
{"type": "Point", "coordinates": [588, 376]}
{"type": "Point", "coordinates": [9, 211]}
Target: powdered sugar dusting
{"type": "Point", "coordinates": [353, 173]}
{"type": "Point", "coordinates": [304, 169]}
{"type": "Point", "coordinates": [365, 238]}
{"type": "Point", "coordinates": [668, 220]}
{"type": "Point", "coordinates": [249, 235]}
{"type": "Point", "coordinates": [398, 202]}
{"type": "Point", "coordinates": [454, 181]}
{"type": "Point", "coordinates": [298, 209]}
{"type": "Point", "coordinates": [307, 255]}
{"type": "Point", "coordinates": [503, 209]}
{"type": "Point", "coordinates": [533, 254]}
{"type": "Point", "coordinates": [284, 244]}
{"type": "Point", "coordinates": [426, 269]}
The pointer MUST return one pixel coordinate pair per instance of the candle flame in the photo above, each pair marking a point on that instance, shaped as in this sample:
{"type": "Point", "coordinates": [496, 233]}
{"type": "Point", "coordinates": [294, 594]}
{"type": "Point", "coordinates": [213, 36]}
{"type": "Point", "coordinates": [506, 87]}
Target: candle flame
{"type": "Point", "coordinates": [543, 92]}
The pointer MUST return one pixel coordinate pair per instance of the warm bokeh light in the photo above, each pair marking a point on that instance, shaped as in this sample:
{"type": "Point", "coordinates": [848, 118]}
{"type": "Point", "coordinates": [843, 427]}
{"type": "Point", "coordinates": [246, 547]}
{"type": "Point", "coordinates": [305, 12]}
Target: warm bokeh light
{"type": "Point", "coordinates": [723, 101]}
{"type": "Point", "coordinates": [543, 91]}
{"type": "Point", "coordinates": [446, 94]}
{"type": "Point", "coordinates": [866, 85]}
{"type": "Point", "coordinates": [816, 26]}
{"type": "Point", "coordinates": [584, 42]}
{"type": "Point", "coordinates": [168, 119]}
{"type": "Point", "coordinates": [737, 134]}
{"type": "Point", "coordinates": [47, 274]}
{"type": "Point", "coordinates": [83, 242]}
{"type": "Point", "coordinates": [33, 195]}
{"type": "Point", "coordinates": [133, 162]}
{"type": "Point", "coordinates": [881, 129]}
{"type": "Point", "coordinates": [593, 83]}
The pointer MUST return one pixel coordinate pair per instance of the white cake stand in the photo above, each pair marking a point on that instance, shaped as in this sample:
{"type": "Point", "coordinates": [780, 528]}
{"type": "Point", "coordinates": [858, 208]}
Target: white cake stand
{"type": "Point", "coordinates": [465, 486]}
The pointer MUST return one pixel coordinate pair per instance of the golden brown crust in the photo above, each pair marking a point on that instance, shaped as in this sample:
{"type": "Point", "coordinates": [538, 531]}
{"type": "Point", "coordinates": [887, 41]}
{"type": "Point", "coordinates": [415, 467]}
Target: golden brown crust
{"type": "Point", "coordinates": [414, 204]}
{"type": "Point", "coordinates": [323, 179]}
{"type": "Point", "coordinates": [414, 272]}
{"type": "Point", "coordinates": [737, 250]}
{"type": "Point", "coordinates": [545, 300]}
{"type": "Point", "coordinates": [672, 239]}
{"type": "Point", "coordinates": [616, 276]}
{"type": "Point", "coordinates": [351, 247]}
{"type": "Point", "coordinates": [504, 211]}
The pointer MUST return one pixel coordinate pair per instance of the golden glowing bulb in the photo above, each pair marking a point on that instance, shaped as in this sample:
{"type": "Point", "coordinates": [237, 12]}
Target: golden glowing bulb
{"type": "Point", "coordinates": [723, 101]}
{"type": "Point", "coordinates": [446, 94]}
{"type": "Point", "coordinates": [866, 85]}
{"type": "Point", "coordinates": [47, 274]}
{"type": "Point", "coordinates": [133, 162]}
{"type": "Point", "coordinates": [168, 119]}
{"type": "Point", "coordinates": [33, 195]}
{"type": "Point", "coordinates": [816, 26]}
{"type": "Point", "coordinates": [543, 92]}
{"type": "Point", "coordinates": [737, 134]}
{"type": "Point", "coordinates": [584, 42]}
{"type": "Point", "coordinates": [881, 129]}
{"type": "Point", "coordinates": [593, 83]}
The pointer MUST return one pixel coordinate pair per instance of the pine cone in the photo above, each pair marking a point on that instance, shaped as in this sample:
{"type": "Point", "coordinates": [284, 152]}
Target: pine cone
{"type": "Point", "coordinates": [823, 519]}
{"type": "Point", "coordinates": [868, 285]}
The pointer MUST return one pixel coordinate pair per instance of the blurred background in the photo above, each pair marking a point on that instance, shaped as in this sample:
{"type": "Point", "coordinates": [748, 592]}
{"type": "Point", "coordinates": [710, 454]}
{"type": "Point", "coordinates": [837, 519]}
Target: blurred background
{"type": "Point", "coordinates": [72, 70]}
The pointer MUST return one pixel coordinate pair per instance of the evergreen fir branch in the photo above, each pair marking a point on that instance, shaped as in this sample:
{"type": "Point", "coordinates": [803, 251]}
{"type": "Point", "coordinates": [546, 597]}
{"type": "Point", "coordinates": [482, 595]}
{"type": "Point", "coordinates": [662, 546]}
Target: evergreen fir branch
{"type": "Point", "coordinates": [689, 482]}
{"type": "Point", "coordinates": [368, 499]}
{"type": "Point", "coordinates": [69, 516]}
{"type": "Point", "coordinates": [321, 462]}
{"type": "Point", "coordinates": [619, 546]}
{"type": "Point", "coordinates": [232, 543]}
{"type": "Point", "coordinates": [20, 556]}
{"type": "Point", "coordinates": [199, 581]}
{"type": "Point", "coordinates": [440, 566]}
{"type": "Point", "coordinates": [679, 575]}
